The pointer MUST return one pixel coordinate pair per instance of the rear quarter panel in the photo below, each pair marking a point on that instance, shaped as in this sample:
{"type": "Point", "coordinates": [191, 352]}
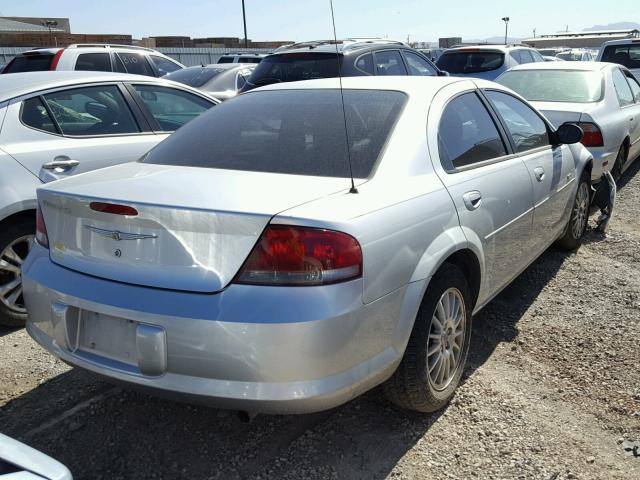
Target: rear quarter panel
{"type": "Point", "coordinates": [17, 187]}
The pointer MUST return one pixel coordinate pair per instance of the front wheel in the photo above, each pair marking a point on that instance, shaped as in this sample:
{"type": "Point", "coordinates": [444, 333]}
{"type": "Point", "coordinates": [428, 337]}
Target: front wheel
{"type": "Point", "coordinates": [15, 242]}
{"type": "Point", "coordinates": [434, 359]}
{"type": "Point", "coordinates": [577, 225]}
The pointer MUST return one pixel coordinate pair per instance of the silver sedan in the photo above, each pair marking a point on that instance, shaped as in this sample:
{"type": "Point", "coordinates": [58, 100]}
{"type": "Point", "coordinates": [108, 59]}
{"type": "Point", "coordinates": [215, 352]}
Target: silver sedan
{"type": "Point", "coordinates": [266, 258]}
{"type": "Point", "coordinates": [602, 98]}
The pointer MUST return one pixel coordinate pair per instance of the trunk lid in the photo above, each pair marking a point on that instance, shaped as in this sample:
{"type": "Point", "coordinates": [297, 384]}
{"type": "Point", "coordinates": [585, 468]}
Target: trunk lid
{"type": "Point", "coordinates": [559, 112]}
{"type": "Point", "coordinates": [194, 227]}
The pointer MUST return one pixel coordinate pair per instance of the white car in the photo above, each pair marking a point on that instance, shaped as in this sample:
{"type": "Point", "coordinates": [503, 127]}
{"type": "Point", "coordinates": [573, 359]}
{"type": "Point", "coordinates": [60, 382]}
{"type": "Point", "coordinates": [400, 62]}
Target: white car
{"type": "Point", "coordinates": [602, 98]}
{"type": "Point", "coordinates": [623, 52]}
{"type": "Point", "coordinates": [95, 57]}
{"type": "Point", "coordinates": [21, 462]}
{"type": "Point", "coordinates": [58, 124]}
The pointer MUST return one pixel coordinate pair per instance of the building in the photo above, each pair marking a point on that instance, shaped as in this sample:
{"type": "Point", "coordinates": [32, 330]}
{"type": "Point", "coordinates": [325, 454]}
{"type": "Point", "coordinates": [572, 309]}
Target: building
{"type": "Point", "coordinates": [589, 39]}
{"type": "Point", "coordinates": [48, 32]}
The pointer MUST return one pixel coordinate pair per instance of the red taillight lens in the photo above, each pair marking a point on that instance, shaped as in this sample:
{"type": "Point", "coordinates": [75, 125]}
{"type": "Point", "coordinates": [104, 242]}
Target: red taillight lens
{"type": "Point", "coordinates": [41, 229]}
{"type": "Point", "coordinates": [113, 208]}
{"type": "Point", "coordinates": [592, 135]}
{"type": "Point", "coordinates": [56, 58]}
{"type": "Point", "coordinates": [300, 256]}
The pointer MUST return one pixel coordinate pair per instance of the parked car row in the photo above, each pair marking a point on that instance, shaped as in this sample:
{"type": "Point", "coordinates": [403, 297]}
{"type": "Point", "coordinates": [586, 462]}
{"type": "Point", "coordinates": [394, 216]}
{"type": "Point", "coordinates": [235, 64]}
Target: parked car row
{"type": "Point", "coordinates": [307, 240]}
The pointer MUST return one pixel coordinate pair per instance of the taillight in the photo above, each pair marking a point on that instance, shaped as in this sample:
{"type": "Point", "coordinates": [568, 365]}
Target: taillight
{"type": "Point", "coordinates": [592, 135]}
{"type": "Point", "coordinates": [114, 208]}
{"type": "Point", "coordinates": [41, 229]}
{"type": "Point", "coordinates": [301, 256]}
{"type": "Point", "coordinates": [56, 58]}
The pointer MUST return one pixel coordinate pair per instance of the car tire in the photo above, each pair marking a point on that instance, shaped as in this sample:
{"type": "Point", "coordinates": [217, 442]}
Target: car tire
{"type": "Point", "coordinates": [414, 385]}
{"type": "Point", "coordinates": [15, 242]}
{"type": "Point", "coordinates": [621, 159]}
{"type": "Point", "coordinates": [579, 218]}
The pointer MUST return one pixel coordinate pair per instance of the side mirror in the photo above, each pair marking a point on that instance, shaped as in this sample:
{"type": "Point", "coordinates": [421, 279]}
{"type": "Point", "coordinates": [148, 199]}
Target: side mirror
{"type": "Point", "coordinates": [568, 133]}
{"type": "Point", "coordinates": [442, 73]}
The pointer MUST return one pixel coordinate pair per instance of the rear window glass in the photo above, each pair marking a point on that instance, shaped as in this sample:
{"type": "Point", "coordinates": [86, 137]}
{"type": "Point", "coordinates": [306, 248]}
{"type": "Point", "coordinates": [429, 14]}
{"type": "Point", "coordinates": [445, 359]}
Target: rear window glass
{"type": "Point", "coordinates": [292, 67]}
{"type": "Point", "coordinates": [554, 85]}
{"type": "Point", "coordinates": [570, 56]}
{"type": "Point", "coordinates": [194, 77]}
{"type": "Point", "coordinates": [136, 63]}
{"type": "Point", "coordinates": [29, 63]}
{"type": "Point", "coordinates": [627, 55]}
{"type": "Point", "coordinates": [225, 60]}
{"type": "Point", "coordinates": [298, 132]}
{"type": "Point", "coordinates": [470, 62]}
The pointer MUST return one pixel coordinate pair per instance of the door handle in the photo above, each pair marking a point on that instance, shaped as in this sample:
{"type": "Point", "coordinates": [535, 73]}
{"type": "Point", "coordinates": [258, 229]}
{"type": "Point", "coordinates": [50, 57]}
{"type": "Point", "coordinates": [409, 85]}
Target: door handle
{"type": "Point", "coordinates": [472, 200]}
{"type": "Point", "coordinates": [62, 162]}
{"type": "Point", "coordinates": [539, 173]}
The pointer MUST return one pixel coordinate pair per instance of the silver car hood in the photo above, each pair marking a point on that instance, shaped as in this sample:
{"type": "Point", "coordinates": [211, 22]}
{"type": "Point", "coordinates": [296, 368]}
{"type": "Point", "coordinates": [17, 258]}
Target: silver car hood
{"type": "Point", "coordinates": [194, 227]}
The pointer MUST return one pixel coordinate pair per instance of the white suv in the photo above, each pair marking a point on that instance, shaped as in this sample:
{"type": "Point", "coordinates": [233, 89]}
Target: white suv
{"type": "Point", "coordinates": [95, 57]}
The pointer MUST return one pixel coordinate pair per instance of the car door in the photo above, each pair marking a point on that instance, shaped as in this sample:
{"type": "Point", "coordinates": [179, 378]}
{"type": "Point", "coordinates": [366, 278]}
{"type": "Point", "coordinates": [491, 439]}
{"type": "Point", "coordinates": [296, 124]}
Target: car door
{"type": "Point", "coordinates": [168, 108]}
{"type": "Point", "coordinates": [389, 62]}
{"type": "Point", "coordinates": [634, 120]}
{"type": "Point", "coordinates": [490, 187]}
{"type": "Point", "coordinates": [74, 130]}
{"type": "Point", "coordinates": [551, 168]}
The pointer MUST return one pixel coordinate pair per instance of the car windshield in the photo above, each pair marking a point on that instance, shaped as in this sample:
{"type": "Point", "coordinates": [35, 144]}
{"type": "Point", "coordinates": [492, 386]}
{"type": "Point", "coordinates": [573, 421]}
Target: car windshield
{"type": "Point", "coordinates": [292, 67]}
{"type": "Point", "coordinates": [300, 132]}
{"type": "Point", "coordinates": [29, 63]}
{"type": "Point", "coordinates": [555, 85]}
{"type": "Point", "coordinates": [195, 76]}
{"type": "Point", "coordinates": [476, 61]}
{"type": "Point", "coordinates": [627, 55]}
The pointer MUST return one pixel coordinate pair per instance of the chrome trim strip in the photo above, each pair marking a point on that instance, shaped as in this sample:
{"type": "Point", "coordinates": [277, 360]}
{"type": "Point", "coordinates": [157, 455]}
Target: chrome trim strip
{"type": "Point", "coordinates": [117, 235]}
{"type": "Point", "coordinates": [495, 232]}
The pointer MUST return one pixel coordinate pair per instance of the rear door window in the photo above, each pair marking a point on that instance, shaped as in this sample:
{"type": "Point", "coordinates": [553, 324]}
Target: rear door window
{"type": "Point", "coordinates": [536, 56]}
{"type": "Point", "coordinates": [527, 129]}
{"type": "Point", "coordinates": [417, 65]}
{"type": "Point", "coordinates": [635, 86]}
{"type": "Point", "coordinates": [29, 63]}
{"type": "Point", "coordinates": [164, 65]}
{"type": "Point", "coordinates": [389, 62]}
{"type": "Point", "coordinates": [627, 55]}
{"type": "Point", "coordinates": [97, 62]}
{"type": "Point", "coordinates": [623, 90]}
{"type": "Point", "coordinates": [475, 61]}
{"type": "Point", "coordinates": [35, 115]}
{"type": "Point", "coordinates": [299, 132]}
{"type": "Point", "coordinates": [526, 57]}
{"type": "Point", "coordinates": [136, 64]}
{"type": "Point", "coordinates": [467, 134]}
{"type": "Point", "coordinates": [91, 111]}
{"type": "Point", "coordinates": [364, 63]}
{"type": "Point", "coordinates": [171, 107]}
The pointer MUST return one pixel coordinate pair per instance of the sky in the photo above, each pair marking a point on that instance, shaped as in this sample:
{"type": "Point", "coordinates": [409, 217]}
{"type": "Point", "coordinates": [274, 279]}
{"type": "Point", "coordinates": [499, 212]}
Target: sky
{"type": "Point", "coordinates": [299, 20]}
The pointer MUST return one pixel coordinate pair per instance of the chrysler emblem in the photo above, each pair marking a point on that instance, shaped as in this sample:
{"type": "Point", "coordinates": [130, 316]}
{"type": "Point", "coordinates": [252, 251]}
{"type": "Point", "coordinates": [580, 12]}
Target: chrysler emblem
{"type": "Point", "coordinates": [117, 235]}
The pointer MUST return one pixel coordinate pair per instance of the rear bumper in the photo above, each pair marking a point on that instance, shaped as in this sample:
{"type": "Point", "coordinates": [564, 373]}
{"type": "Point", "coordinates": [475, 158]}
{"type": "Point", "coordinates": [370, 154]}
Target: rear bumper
{"type": "Point", "coordinates": [263, 349]}
{"type": "Point", "coordinates": [603, 160]}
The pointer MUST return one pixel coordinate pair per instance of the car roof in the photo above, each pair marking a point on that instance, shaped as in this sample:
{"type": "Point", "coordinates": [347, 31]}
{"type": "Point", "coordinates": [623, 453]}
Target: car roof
{"type": "Point", "coordinates": [623, 41]}
{"type": "Point", "coordinates": [584, 66]}
{"type": "Point", "coordinates": [502, 48]}
{"type": "Point", "coordinates": [344, 46]}
{"type": "Point", "coordinates": [14, 85]}
{"type": "Point", "coordinates": [414, 86]}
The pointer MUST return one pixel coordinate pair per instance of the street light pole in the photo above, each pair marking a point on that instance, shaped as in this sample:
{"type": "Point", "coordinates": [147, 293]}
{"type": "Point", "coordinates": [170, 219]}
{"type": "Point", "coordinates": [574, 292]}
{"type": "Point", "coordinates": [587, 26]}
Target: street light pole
{"type": "Point", "coordinates": [244, 21]}
{"type": "Point", "coordinates": [506, 28]}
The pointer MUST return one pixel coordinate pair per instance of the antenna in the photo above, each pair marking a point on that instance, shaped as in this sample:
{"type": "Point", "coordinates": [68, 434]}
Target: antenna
{"type": "Point", "coordinates": [353, 188]}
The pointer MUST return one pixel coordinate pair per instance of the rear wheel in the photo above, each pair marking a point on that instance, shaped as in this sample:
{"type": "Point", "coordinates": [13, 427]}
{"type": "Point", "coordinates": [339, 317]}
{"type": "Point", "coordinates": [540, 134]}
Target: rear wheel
{"type": "Point", "coordinates": [15, 242]}
{"type": "Point", "coordinates": [577, 225]}
{"type": "Point", "coordinates": [621, 159]}
{"type": "Point", "coordinates": [434, 360]}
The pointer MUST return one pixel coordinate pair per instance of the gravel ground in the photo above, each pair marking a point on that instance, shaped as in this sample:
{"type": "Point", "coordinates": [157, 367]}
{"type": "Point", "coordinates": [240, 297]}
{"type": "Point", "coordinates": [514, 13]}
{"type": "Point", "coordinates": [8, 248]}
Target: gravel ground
{"type": "Point", "coordinates": [552, 391]}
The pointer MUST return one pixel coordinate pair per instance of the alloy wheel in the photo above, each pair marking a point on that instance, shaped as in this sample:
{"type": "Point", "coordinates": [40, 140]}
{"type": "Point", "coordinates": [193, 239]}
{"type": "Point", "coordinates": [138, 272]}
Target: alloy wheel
{"type": "Point", "coordinates": [580, 210]}
{"type": "Point", "coordinates": [446, 338]}
{"type": "Point", "coordinates": [11, 259]}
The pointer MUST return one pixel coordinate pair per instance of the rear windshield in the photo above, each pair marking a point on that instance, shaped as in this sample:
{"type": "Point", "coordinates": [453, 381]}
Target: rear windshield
{"type": "Point", "coordinates": [292, 67]}
{"type": "Point", "coordinates": [298, 132]}
{"type": "Point", "coordinates": [555, 85]}
{"type": "Point", "coordinates": [29, 63]}
{"type": "Point", "coordinates": [194, 77]}
{"type": "Point", "coordinates": [470, 62]}
{"type": "Point", "coordinates": [570, 56]}
{"type": "Point", "coordinates": [627, 55]}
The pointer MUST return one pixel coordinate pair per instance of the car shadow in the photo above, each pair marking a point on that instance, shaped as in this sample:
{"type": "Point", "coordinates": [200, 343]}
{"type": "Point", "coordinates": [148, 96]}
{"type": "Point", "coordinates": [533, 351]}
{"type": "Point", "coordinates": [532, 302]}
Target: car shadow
{"type": "Point", "coordinates": [102, 431]}
{"type": "Point", "coordinates": [631, 171]}
{"type": "Point", "coordinates": [8, 330]}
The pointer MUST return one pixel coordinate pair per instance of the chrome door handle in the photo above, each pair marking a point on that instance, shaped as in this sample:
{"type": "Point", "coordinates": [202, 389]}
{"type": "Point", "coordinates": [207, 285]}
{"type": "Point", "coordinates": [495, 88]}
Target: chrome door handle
{"type": "Point", "coordinates": [62, 162]}
{"type": "Point", "coordinates": [539, 173]}
{"type": "Point", "coordinates": [472, 200]}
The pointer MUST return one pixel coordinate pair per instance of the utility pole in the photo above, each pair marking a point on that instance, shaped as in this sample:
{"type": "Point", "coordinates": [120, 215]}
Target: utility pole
{"type": "Point", "coordinates": [49, 24]}
{"type": "Point", "coordinates": [506, 28]}
{"type": "Point", "coordinates": [534, 33]}
{"type": "Point", "coordinates": [244, 21]}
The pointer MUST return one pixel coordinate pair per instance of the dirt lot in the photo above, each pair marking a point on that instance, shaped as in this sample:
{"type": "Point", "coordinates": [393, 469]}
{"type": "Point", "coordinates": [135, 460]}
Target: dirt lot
{"type": "Point", "coordinates": [552, 391]}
